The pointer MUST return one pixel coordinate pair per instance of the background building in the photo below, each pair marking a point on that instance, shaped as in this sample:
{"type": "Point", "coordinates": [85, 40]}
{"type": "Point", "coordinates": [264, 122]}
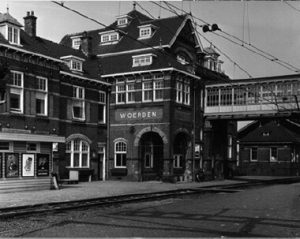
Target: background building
{"type": "Point", "coordinates": [270, 148]}
{"type": "Point", "coordinates": [48, 92]}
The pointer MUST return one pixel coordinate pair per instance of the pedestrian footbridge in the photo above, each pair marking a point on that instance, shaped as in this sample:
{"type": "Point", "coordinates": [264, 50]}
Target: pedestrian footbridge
{"type": "Point", "coordinates": [253, 98]}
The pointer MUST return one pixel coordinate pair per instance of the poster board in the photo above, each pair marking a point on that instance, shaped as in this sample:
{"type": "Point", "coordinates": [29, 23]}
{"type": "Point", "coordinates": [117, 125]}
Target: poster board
{"type": "Point", "coordinates": [28, 165]}
{"type": "Point", "coordinates": [11, 165]}
{"type": "Point", "coordinates": [43, 164]}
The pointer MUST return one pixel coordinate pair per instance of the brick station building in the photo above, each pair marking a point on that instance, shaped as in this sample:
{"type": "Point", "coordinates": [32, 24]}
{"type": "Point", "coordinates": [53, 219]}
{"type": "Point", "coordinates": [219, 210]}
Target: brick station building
{"type": "Point", "coordinates": [157, 68]}
{"type": "Point", "coordinates": [52, 108]}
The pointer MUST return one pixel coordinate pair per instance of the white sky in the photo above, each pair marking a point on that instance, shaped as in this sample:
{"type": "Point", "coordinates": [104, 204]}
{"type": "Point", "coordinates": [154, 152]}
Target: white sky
{"type": "Point", "coordinates": [273, 25]}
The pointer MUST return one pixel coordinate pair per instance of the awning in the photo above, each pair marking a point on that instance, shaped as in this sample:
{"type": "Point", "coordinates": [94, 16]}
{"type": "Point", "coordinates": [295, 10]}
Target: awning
{"type": "Point", "coordinates": [31, 137]}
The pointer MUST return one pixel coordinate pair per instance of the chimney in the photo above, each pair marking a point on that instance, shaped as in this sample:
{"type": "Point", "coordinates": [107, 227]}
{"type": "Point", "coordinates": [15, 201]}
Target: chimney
{"type": "Point", "coordinates": [30, 24]}
{"type": "Point", "coordinates": [86, 44]}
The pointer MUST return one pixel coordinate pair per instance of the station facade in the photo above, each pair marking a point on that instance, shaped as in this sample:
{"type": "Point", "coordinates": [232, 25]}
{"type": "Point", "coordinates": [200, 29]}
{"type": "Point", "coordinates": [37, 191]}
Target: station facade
{"type": "Point", "coordinates": [157, 68]}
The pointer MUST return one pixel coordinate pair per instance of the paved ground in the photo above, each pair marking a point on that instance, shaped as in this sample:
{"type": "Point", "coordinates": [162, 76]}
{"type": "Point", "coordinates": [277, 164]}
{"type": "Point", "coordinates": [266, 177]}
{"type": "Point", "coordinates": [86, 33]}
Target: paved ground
{"type": "Point", "coordinates": [95, 189]}
{"type": "Point", "coordinates": [98, 189]}
{"type": "Point", "coordinates": [266, 211]}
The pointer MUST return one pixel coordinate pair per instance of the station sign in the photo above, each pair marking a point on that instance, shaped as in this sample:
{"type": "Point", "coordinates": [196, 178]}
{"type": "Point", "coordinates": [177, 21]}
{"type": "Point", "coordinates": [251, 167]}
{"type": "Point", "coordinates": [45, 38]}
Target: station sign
{"type": "Point", "coordinates": [138, 115]}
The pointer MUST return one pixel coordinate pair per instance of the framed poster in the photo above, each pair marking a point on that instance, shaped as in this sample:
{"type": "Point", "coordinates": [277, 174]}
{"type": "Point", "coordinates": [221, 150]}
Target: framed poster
{"type": "Point", "coordinates": [12, 165]}
{"type": "Point", "coordinates": [27, 165]}
{"type": "Point", "coordinates": [42, 165]}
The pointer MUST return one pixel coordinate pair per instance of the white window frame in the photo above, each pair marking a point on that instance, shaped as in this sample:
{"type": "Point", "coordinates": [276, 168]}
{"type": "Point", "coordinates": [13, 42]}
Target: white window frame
{"type": "Point", "coordinates": [42, 93]}
{"type": "Point", "coordinates": [142, 60]}
{"type": "Point", "coordinates": [13, 39]}
{"type": "Point", "coordinates": [108, 37]}
{"type": "Point", "coordinates": [145, 32]}
{"type": "Point", "coordinates": [120, 92]}
{"type": "Point", "coordinates": [229, 147]}
{"type": "Point", "coordinates": [78, 98]}
{"type": "Point", "coordinates": [76, 42]}
{"type": "Point", "coordinates": [123, 21]}
{"type": "Point", "coordinates": [251, 154]}
{"type": "Point", "coordinates": [76, 65]}
{"type": "Point", "coordinates": [17, 89]}
{"type": "Point", "coordinates": [102, 101]}
{"type": "Point", "coordinates": [129, 92]}
{"type": "Point", "coordinates": [147, 90]}
{"type": "Point", "coordinates": [10, 147]}
{"type": "Point", "coordinates": [71, 151]}
{"type": "Point", "coordinates": [122, 152]}
{"type": "Point", "coordinates": [179, 92]}
{"type": "Point", "coordinates": [158, 85]}
{"type": "Point", "coordinates": [186, 93]}
{"type": "Point", "coordinates": [176, 160]}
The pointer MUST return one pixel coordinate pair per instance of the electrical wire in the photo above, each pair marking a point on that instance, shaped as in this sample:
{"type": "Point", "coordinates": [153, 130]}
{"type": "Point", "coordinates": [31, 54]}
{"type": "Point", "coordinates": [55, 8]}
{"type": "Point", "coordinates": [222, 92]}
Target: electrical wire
{"type": "Point", "coordinates": [112, 28]}
{"type": "Point", "coordinates": [275, 59]}
{"type": "Point", "coordinates": [144, 9]}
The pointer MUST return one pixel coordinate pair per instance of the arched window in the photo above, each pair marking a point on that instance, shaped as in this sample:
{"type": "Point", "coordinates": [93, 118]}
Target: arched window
{"type": "Point", "coordinates": [78, 153]}
{"type": "Point", "coordinates": [120, 154]}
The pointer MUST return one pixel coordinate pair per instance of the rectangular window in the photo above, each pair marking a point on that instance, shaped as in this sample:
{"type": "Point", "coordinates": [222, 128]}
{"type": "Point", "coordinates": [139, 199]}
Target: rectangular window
{"type": "Point", "coordinates": [102, 107]}
{"type": "Point", "coordinates": [130, 93]}
{"type": "Point", "coordinates": [120, 94]}
{"type": "Point", "coordinates": [179, 92]}
{"type": "Point", "coordinates": [178, 161]}
{"type": "Point", "coordinates": [148, 160]}
{"type": "Point", "coordinates": [13, 35]}
{"type": "Point", "coordinates": [186, 94]}
{"type": "Point", "coordinates": [158, 90]}
{"type": "Point", "coordinates": [42, 96]}
{"type": "Point", "coordinates": [31, 147]}
{"type": "Point", "coordinates": [16, 92]}
{"type": "Point", "coordinates": [5, 146]}
{"type": "Point", "coordinates": [142, 60]}
{"type": "Point", "coordinates": [147, 91]}
{"type": "Point", "coordinates": [76, 65]}
{"type": "Point", "coordinates": [122, 21]}
{"type": "Point", "coordinates": [76, 42]}
{"type": "Point", "coordinates": [253, 154]}
{"type": "Point", "coordinates": [109, 37]}
{"type": "Point", "coordinates": [120, 154]}
{"type": "Point", "coordinates": [273, 154]}
{"type": "Point", "coordinates": [78, 103]}
{"type": "Point", "coordinates": [229, 150]}
{"type": "Point", "coordinates": [145, 32]}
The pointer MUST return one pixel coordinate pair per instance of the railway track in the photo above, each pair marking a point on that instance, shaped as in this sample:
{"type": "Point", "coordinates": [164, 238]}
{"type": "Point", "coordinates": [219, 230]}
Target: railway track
{"type": "Point", "coordinates": [109, 201]}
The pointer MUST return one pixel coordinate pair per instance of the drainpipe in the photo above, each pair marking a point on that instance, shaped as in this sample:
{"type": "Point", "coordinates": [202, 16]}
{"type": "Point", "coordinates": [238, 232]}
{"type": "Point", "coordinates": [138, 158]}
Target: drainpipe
{"type": "Point", "coordinates": [105, 165]}
{"type": "Point", "coordinates": [194, 119]}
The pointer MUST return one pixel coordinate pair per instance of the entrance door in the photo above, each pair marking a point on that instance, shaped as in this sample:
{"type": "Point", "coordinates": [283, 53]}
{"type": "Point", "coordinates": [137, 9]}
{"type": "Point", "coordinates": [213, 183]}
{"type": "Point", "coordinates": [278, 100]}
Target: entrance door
{"type": "Point", "coordinates": [151, 151]}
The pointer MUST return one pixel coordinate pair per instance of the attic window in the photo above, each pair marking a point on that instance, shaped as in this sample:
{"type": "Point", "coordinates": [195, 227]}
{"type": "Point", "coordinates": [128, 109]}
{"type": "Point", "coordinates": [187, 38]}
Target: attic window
{"type": "Point", "coordinates": [146, 31]}
{"type": "Point", "coordinates": [142, 60]}
{"type": "Point", "coordinates": [13, 35]}
{"type": "Point", "coordinates": [122, 21]}
{"type": "Point", "coordinates": [76, 42]}
{"type": "Point", "coordinates": [266, 134]}
{"type": "Point", "coordinates": [111, 37]}
{"type": "Point", "coordinates": [73, 62]}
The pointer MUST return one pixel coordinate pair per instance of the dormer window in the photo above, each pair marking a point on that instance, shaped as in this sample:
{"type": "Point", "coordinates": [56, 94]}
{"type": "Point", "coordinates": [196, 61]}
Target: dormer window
{"type": "Point", "coordinates": [13, 35]}
{"type": "Point", "coordinates": [76, 65]}
{"type": "Point", "coordinates": [76, 42]}
{"type": "Point", "coordinates": [142, 60]}
{"type": "Point", "coordinates": [110, 37]}
{"type": "Point", "coordinates": [123, 20]}
{"type": "Point", "coordinates": [73, 62]}
{"type": "Point", "coordinates": [146, 31]}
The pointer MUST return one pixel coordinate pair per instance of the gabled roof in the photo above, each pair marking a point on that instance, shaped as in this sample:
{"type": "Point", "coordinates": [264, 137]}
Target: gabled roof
{"type": "Point", "coordinates": [46, 48]}
{"type": "Point", "coordinates": [6, 17]}
{"type": "Point", "coordinates": [271, 132]}
{"type": "Point", "coordinates": [166, 30]}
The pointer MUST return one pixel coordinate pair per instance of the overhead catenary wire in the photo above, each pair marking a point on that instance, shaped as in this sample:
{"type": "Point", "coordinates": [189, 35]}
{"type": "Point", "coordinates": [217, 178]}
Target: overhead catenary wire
{"type": "Point", "coordinates": [274, 59]}
{"type": "Point", "coordinates": [246, 90]}
{"type": "Point", "coordinates": [123, 33]}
